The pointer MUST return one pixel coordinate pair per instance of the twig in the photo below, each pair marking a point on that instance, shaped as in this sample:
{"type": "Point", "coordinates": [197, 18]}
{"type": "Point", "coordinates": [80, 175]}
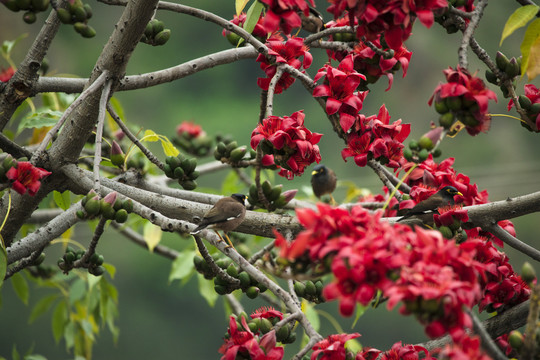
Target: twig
{"type": "Point", "coordinates": [153, 159]}
{"type": "Point", "coordinates": [330, 31]}
{"type": "Point", "coordinates": [99, 132]}
{"type": "Point", "coordinates": [488, 344]}
{"type": "Point", "coordinates": [100, 228]}
{"type": "Point", "coordinates": [469, 31]}
{"type": "Point", "coordinates": [377, 167]}
{"type": "Point", "coordinates": [236, 306]}
{"type": "Point", "coordinates": [271, 90]}
{"type": "Point", "coordinates": [529, 345]}
{"type": "Point", "coordinates": [259, 254]}
{"type": "Point", "coordinates": [216, 270]}
{"type": "Point", "coordinates": [23, 264]}
{"type": "Point", "coordinates": [84, 95]}
{"type": "Point", "coordinates": [138, 239]}
{"type": "Point", "coordinates": [500, 233]}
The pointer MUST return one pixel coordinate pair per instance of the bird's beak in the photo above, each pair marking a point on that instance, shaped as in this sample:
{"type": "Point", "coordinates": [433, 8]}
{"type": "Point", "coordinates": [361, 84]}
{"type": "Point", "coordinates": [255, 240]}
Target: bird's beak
{"type": "Point", "coordinates": [458, 193]}
{"type": "Point", "coordinates": [314, 172]}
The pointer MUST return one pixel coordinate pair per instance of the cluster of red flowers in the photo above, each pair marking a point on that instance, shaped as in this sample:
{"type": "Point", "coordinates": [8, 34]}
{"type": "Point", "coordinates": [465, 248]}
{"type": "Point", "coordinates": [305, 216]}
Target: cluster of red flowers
{"type": "Point", "coordinates": [397, 352]}
{"type": "Point", "coordinates": [432, 277]}
{"type": "Point", "coordinates": [393, 19]}
{"type": "Point", "coordinates": [373, 137]}
{"type": "Point", "coordinates": [339, 88]}
{"type": "Point", "coordinates": [371, 63]}
{"type": "Point", "coordinates": [502, 286]}
{"type": "Point", "coordinates": [533, 94]}
{"type": "Point", "coordinates": [287, 143]}
{"type": "Point", "coordinates": [190, 129]}
{"type": "Point", "coordinates": [465, 97]}
{"type": "Point", "coordinates": [283, 14]}
{"type": "Point", "coordinates": [333, 347]}
{"type": "Point", "coordinates": [285, 53]}
{"type": "Point", "coordinates": [245, 344]}
{"type": "Point", "coordinates": [465, 348]}
{"type": "Point", "coordinates": [25, 177]}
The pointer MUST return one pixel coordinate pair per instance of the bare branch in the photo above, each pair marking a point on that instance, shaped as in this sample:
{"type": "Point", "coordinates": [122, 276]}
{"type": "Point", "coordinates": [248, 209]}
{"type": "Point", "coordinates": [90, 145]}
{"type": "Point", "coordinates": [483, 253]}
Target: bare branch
{"type": "Point", "coordinates": [468, 33]}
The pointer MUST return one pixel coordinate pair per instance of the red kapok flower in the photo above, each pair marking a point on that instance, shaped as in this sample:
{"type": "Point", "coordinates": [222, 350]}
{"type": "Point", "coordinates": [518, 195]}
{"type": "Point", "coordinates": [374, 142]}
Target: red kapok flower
{"type": "Point", "coordinates": [25, 177]}
{"type": "Point", "coordinates": [448, 214]}
{"type": "Point", "coordinates": [287, 52]}
{"type": "Point", "coordinates": [284, 14]}
{"type": "Point", "coordinates": [190, 129]}
{"type": "Point", "coordinates": [245, 344]}
{"type": "Point", "coordinates": [375, 138]}
{"type": "Point", "coordinates": [239, 20]}
{"type": "Point", "coordinates": [466, 348]}
{"type": "Point", "coordinates": [292, 145]}
{"type": "Point", "coordinates": [397, 352]}
{"type": "Point", "coordinates": [340, 89]}
{"type": "Point", "coordinates": [6, 74]}
{"type": "Point", "coordinates": [466, 97]}
{"type": "Point", "coordinates": [333, 347]}
{"type": "Point", "coordinates": [266, 313]}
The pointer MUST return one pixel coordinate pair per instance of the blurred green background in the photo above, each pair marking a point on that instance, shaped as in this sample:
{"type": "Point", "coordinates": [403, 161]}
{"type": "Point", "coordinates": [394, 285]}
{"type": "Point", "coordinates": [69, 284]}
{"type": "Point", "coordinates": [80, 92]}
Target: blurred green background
{"type": "Point", "coordinates": [161, 320]}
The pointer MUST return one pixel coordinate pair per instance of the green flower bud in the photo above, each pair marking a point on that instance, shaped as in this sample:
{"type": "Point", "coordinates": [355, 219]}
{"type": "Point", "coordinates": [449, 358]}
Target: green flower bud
{"type": "Point", "coordinates": [238, 153]}
{"type": "Point", "coordinates": [283, 333]}
{"type": "Point", "coordinates": [29, 17]}
{"type": "Point", "coordinates": [162, 37]}
{"type": "Point", "coordinates": [93, 206]}
{"type": "Point", "coordinates": [512, 69]}
{"type": "Point", "coordinates": [446, 232]}
{"type": "Point", "coordinates": [266, 325]}
{"type": "Point", "coordinates": [79, 14]}
{"type": "Point", "coordinates": [189, 185]}
{"type": "Point", "coordinates": [490, 77]}
{"type": "Point", "coordinates": [311, 290]}
{"type": "Point", "coordinates": [299, 288]}
{"type": "Point", "coordinates": [24, 4]}
{"type": "Point", "coordinates": [502, 61]}
{"type": "Point", "coordinates": [252, 292]}
{"type": "Point", "coordinates": [441, 107]}
{"type": "Point", "coordinates": [220, 289]}
{"type": "Point", "coordinates": [189, 165]}
{"type": "Point", "coordinates": [245, 280]}
{"type": "Point", "coordinates": [525, 102]}
{"type": "Point", "coordinates": [121, 216]}
{"type": "Point", "coordinates": [107, 211]}
{"type": "Point", "coordinates": [446, 120]}
{"type": "Point", "coordinates": [528, 274]}
{"type": "Point", "coordinates": [178, 173]}
{"type": "Point", "coordinates": [425, 143]}
{"type": "Point", "coordinates": [454, 103]}
{"type": "Point", "coordinates": [274, 193]}
{"type": "Point", "coordinates": [12, 5]}
{"type": "Point", "coordinates": [157, 26]}
{"type": "Point", "coordinates": [407, 154]}
{"type": "Point", "coordinates": [97, 271]}
{"type": "Point", "coordinates": [515, 339]}
{"type": "Point", "coordinates": [232, 270]}
{"type": "Point", "coordinates": [266, 187]}
{"type": "Point", "coordinates": [423, 154]}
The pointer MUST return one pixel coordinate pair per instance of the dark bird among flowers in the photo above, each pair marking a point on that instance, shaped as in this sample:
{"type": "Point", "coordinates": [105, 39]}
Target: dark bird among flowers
{"type": "Point", "coordinates": [443, 197]}
{"type": "Point", "coordinates": [323, 181]}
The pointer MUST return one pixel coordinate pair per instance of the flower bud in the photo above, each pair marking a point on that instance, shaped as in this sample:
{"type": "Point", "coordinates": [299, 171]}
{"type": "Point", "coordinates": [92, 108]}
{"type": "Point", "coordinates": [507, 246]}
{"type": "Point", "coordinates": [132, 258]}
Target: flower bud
{"type": "Point", "coordinates": [528, 274]}
{"type": "Point", "coordinates": [117, 155]}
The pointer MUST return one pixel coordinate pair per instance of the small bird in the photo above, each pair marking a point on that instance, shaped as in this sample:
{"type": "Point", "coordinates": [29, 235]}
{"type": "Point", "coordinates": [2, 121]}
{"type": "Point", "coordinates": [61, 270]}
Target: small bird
{"type": "Point", "coordinates": [312, 23]}
{"type": "Point", "coordinates": [441, 198]}
{"type": "Point", "coordinates": [323, 181]}
{"type": "Point", "coordinates": [225, 215]}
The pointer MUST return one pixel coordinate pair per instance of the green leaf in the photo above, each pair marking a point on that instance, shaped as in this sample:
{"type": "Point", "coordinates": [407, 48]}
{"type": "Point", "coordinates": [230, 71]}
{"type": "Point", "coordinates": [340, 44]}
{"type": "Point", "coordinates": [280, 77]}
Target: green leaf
{"type": "Point", "coordinates": [39, 119]}
{"type": "Point", "coordinates": [168, 148]}
{"type": "Point", "coordinates": [8, 45]}
{"type": "Point", "coordinates": [240, 5]}
{"type": "Point", "coordinates": [533, 68]}
{"type": "Point", "coordinates": [62, 200]}
{"type": "Point", "coordinates": [14, 353]}
{"type": "Point", "coordinates": [152, 235]}
{"type": "Point", "coordinates": [252, 16]}
{"type": "Point", "coordinates": [3, 264]}
{"type": "Point", "coordinates": [518, 19]}
{"type": "Point", "coordinates": [59, 320]}
{"type": "Point", "coordinates": [151, 136]}
{"type": "Point", "coordinates": [311, 315]}
{"type": "Point", "coordinates": [35, 357]}
{"type": "Point", "coordinates": [111, 269]}
{"type": "Point", "coordinates": [20, 285]}
{"type": "Point", "coordinates": [42, 307]}
{"type": "Point", "coordinates": [206, 288]}
{"type": "Point", "coordinates": [231, 184]}
{"type": "Point", "coordinates": [77, 290]}
{"type": "Point", "coordinates": [531, 34]}
{"type": "Point", "coordinates": [182, 265]}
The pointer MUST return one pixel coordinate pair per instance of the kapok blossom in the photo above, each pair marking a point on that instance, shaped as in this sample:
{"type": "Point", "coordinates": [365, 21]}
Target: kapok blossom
{"type": "Point", "coordinates": [339, 88]}
{"type": "Point", "coordinates": [245, 344]}
{"type": "Point", "coordinates": [6, 74]}
{"type": "Point", "coordinates": [333, 347]}
{"type": "Point", "coordinates": [393, 19]}
{"type": "Point", "coordinates": [287, 52]}
{"type": "Point", "coordinates": [190, 129]}
{"type": "Point", "coordinates": [374, 137]}
{"type": "Point", "coordinates": [370, 63]}
{"type": "Point", "coordinates": [25, 177]}
{"type": "Point", "coordinates": [292, 145]}
{"type": "Point", "coordinates": [283, 14]}
{"type": "Point", "coordinates": [466, 97]}
{"type": "Point", "coordinates": [397, 352]}
{"type": "Point", "coordinates": [466, 348]}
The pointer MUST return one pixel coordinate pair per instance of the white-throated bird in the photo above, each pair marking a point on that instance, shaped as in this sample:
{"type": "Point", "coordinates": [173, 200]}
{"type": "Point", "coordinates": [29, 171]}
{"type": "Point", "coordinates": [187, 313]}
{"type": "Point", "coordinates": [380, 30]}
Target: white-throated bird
{"type": "Point", "coordinates": [225, 215]}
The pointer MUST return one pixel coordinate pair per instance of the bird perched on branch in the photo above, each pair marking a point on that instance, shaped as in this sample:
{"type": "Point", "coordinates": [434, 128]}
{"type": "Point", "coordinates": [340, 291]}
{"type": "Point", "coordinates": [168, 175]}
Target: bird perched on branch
{"type": "Point", "coordinates": [323, 181]}
{"type": "Point", "coordinates": [225, 215]}
{"type": "Point", "coordinates": [312, 23]}
{"type": "Point", "coordinates": [443, 197]}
